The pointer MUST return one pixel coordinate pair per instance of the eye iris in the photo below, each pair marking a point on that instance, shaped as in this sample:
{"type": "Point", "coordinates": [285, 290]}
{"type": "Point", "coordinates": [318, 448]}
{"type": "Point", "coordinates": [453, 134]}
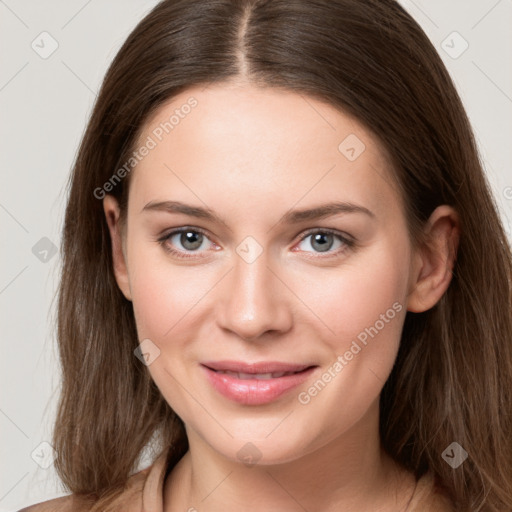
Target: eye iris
{"type": "Point", "coordinates": [321, 239]}
{"type": "Point", "coordinates": [191, 237]}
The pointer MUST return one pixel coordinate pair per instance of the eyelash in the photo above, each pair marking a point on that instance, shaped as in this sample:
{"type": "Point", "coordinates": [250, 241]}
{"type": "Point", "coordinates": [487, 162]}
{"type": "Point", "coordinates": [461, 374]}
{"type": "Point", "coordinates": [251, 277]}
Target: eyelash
{"type": "Point", "coordinates": [348, 242]}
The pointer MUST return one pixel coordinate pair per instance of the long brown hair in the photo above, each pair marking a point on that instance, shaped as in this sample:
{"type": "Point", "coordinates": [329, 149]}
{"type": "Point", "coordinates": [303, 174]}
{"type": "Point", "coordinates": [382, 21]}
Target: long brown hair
{"type": "Point", "coordinates": [452, 381]}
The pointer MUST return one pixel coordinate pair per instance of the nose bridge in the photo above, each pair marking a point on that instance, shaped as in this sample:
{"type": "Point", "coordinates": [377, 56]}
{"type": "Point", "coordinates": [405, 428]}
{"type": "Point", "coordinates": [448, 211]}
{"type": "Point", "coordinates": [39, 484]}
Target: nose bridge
{"type": "Point", "coordinates": [254, 301]}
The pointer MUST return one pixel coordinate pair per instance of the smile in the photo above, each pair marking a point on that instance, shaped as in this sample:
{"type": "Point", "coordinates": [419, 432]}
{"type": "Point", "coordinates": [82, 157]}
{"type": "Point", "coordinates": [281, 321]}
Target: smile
{"type": "Point", "coordinates": [252, 387]}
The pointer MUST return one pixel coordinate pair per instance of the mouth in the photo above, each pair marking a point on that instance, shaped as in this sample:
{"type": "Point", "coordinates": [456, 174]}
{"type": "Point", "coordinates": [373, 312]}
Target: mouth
{"type": "Point", "coordinates": [255, 383]}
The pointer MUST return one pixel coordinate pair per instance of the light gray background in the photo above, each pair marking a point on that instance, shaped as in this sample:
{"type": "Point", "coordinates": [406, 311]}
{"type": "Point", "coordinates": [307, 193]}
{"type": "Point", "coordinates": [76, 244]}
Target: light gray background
{"type": "Point", "coordinates": [45, 104]}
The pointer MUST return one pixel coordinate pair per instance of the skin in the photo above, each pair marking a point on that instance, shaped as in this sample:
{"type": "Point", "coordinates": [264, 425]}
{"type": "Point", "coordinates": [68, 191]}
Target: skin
{"type": "Point", "coordinates": [251, 155]}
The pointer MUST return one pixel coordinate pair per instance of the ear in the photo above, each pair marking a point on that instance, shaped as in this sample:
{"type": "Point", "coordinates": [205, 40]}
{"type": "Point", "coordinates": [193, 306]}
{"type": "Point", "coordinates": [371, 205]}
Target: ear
{"type": "Point", "coordinates": [434, 262]}
{"type": "Point", "coordinates": [112, 214]}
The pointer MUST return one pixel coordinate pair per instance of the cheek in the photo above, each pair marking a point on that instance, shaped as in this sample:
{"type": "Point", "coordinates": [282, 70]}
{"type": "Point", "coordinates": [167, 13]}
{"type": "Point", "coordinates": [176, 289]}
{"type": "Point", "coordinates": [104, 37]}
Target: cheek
{"type": "Point", "coordinates": [358, 293]}
{"type": "Point", "coordinates": [163, 292]}
{"type": "Point", "coordinates": [165, 299]}
{"type": "Point", "coordinates": [361, 306]}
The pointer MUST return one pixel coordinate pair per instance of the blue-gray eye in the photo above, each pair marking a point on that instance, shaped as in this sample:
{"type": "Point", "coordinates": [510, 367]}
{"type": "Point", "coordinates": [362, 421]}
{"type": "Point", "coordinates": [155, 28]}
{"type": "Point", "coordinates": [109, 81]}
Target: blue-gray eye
{"type": "Point", "coordinates": [323, 241]}
{"type": "Point", "coordinates": [190, 240]}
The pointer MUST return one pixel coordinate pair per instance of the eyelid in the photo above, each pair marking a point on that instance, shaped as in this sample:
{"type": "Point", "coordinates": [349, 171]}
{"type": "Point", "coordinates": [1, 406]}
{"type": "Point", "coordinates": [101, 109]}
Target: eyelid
{"type": "Point", "coordinates": [162, 239]}
{"type": "Point", "coordinates": [348, 243]}
{"type": "Point", "coordinates": [343, 236]}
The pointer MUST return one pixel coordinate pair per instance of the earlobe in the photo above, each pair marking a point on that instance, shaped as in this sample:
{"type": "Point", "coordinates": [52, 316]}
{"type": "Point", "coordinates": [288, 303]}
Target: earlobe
{"type": "Point", "coordinates": [112, 215]}
{"type": "Point", "coordinates": [433, 270]}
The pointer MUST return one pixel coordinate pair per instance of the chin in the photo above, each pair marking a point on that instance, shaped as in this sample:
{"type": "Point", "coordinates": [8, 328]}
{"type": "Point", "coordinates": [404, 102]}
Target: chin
{"type": "Point", "coordinates": [261, 450]}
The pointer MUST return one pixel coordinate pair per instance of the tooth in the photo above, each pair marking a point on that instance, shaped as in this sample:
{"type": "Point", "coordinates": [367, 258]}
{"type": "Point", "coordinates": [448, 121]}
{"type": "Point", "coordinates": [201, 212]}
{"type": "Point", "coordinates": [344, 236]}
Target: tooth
{"type": "Point", "coordinates": [258, 376]}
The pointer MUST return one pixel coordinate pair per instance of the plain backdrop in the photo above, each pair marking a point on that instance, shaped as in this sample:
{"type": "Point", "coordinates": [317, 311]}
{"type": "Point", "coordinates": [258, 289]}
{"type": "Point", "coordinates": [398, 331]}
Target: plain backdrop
{"type": "Point", "coordinates": [45, 102]}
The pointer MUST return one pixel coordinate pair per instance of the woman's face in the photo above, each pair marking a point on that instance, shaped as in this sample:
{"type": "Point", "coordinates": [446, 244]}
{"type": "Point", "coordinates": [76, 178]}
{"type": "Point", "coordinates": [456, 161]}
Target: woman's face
{"type": "Point", "coordinates": [295, 252]}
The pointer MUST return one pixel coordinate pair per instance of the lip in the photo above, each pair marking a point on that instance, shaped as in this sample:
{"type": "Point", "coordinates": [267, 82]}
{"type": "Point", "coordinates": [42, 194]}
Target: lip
{"type": "Point", "coordinates": [255, 391]}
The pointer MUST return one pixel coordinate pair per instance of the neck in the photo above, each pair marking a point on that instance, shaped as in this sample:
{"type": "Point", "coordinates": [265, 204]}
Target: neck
{"type": "Point", "coordinates": [351, 472]}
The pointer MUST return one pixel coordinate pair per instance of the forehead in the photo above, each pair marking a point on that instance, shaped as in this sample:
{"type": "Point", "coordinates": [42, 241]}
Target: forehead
{"type": "Point", "coordinates": [246, 142]}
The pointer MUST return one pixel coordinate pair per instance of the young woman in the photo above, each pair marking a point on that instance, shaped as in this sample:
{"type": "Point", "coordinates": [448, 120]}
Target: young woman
{"type": "Point", "coordinates": [283, 272]}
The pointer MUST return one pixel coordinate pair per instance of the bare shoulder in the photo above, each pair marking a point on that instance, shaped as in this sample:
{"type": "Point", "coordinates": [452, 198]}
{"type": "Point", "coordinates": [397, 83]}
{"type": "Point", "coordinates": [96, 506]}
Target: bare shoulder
{"type": "Point", "coordinates": [428, 496]}
{"type": "Point", "coordinates": [125, 499]}
{"type": "Point", "coordinates": [68, 503]}
{"type": "Point", "coordinates": [441, 501]}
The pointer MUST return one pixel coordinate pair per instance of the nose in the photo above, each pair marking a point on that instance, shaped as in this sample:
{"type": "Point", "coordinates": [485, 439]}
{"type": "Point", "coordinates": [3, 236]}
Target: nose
{"type": "Point", "coordinates": [254, 301]}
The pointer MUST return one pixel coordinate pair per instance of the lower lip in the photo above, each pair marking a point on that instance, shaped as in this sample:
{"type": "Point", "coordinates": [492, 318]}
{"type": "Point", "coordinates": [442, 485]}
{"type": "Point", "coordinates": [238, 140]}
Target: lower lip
{"type": "Point", "coordinates": [254, 391]}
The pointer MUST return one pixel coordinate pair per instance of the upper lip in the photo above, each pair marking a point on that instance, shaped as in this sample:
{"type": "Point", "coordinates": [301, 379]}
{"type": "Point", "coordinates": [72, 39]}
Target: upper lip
{"type": "Point", "coordinates": [257, 367]}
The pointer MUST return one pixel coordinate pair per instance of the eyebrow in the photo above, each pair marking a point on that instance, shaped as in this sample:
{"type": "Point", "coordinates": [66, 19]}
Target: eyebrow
{"type": "Point", "coordinates": [290, 217]}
